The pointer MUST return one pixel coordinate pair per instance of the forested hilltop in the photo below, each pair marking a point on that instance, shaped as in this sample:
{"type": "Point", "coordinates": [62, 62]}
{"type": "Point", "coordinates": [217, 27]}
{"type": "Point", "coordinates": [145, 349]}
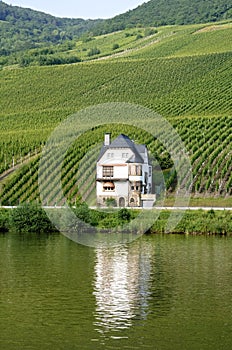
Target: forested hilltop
{"type": "Point", "coordinates": [168, 12]}
{"type": "Point", "coordinates": [22, 29]}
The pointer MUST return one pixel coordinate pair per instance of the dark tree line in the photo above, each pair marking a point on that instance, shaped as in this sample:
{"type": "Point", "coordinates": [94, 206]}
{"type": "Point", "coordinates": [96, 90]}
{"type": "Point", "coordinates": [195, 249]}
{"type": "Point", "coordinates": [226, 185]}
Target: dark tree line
{"type": "Point", "coordinates": [168, 12]}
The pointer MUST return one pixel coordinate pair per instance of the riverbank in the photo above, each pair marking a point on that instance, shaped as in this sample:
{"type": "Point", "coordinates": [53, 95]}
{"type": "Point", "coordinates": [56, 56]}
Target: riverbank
{"type": "Point", "coordinates": [213, 202]}
{"type": "Point", "coordinates": [32, 218]}
{"type": "Point", "coordinates": [210, 222]}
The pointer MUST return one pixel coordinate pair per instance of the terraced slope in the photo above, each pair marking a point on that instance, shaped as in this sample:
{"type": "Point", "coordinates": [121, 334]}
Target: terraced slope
{"type": "Point", "coordinates": [189, 86]}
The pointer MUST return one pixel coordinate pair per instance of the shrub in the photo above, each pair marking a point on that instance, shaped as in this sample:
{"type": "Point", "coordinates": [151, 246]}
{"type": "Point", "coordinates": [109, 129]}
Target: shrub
{"type": "Point", "coordinates": [82, 212]}
{"type": "Point", "coordinates": [110, 202]}
{"type": "Point", "coordinates": [86, 38]}
{"type": "Point", "coordinates": [139, 36]}
{"type": "Point", "coordinates": [93, 52]}
{"type": "Point", "coordinates": [150, 31]}
{"type": "Point", "coordinates": [115, 47]}
{"type": "Point", "coordinates": [56, 60]}
{"type": "Point", "coordinates": [30, 218]}
{"type": "Point", "coordinates": [128, 34]}
{"type": "Point", "coordinates": [124, 215]}
{"type": "Point", "coordinates": [4, 220]}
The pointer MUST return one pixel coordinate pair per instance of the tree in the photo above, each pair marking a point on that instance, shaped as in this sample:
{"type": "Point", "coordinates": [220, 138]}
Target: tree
{"type": "Point", "coordinates": [30, 217]}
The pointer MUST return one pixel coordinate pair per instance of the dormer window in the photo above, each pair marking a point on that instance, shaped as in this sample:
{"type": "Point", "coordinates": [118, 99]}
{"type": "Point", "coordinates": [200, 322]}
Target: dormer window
{"type": "Point", "coordinates": [125, 155]}
{"type": "Point", "coordinates": [110, 155]}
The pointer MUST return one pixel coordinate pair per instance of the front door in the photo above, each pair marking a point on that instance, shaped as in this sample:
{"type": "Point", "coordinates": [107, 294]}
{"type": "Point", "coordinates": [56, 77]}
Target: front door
{"type": "Point", "coordinates": [122, 202]}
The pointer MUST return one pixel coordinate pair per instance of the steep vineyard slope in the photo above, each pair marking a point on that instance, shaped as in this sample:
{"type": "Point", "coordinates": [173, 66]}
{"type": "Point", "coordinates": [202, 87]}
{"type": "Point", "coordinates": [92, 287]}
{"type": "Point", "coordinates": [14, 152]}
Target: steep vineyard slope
{"type": "Point", "coordinates": [189, 86]}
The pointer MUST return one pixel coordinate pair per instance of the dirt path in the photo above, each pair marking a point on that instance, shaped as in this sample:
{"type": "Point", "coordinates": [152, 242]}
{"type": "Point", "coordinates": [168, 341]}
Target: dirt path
{"type": "Point", "coordinates": [128, 51]}
{"type": "Point", "coordinates": [9, 171]}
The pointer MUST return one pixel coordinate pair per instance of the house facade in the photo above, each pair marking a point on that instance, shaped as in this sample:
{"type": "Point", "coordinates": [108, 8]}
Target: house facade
{"type": "Point", "coordinates": [124, 174]}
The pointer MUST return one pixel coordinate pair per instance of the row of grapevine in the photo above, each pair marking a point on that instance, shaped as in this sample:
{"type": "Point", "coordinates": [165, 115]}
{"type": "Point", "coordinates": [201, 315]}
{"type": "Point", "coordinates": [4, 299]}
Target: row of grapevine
{"type": "Point", "coordinates": [208, 142]}
{"type": "Point", "coordinates": [35, 100]}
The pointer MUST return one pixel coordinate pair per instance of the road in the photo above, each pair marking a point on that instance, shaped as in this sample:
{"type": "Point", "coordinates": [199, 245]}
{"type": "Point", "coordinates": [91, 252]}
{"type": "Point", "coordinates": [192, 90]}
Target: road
{"type": "Point", "coordinates": [155, 208]}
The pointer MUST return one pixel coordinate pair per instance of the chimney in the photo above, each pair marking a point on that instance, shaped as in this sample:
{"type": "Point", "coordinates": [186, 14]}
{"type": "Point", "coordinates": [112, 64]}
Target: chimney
{"type": "Point", "coordinates": [107, 139]}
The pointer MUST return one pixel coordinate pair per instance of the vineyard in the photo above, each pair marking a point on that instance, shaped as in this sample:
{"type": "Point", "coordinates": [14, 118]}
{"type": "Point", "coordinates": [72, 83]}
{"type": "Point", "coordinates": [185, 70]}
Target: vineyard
{"type": "Point", "coordinates": [208, 141]}
{"type": "Point", "coordinates": [176, 78]}
{"type": "Point", "coordinates": [191, 41]}
{"type": "Point", "coordinates": [169, 41]}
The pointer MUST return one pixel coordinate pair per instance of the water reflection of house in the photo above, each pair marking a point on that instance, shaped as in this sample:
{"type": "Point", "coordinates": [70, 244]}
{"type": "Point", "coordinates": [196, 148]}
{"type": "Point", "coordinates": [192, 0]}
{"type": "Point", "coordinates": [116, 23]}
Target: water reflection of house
{"type": "Point", "coordinates": [121, 287]}
{"type": "Point", "coordinates": [124, 173]}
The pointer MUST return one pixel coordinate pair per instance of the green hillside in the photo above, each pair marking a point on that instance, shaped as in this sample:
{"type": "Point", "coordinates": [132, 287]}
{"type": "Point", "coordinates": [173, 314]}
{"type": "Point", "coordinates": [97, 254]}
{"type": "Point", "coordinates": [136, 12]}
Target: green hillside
{"type": "Point", "coordinates": [23, 29]}
{"type": "Point", "coordinates": [189, 41]}
{"type": "Point", "coordinates": [183, 73]}
{"type": "Point", "coordinates": [149, 42]}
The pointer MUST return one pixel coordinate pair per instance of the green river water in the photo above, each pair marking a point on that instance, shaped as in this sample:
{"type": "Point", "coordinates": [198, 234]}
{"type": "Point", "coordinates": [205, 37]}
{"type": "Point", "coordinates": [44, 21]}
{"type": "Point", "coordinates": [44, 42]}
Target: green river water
{"type": "Point", "coordinates": [159, 292]}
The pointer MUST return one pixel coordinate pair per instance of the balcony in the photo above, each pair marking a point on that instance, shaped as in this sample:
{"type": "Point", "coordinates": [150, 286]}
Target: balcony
{"type": "Point", "coordinates": [135, 178]}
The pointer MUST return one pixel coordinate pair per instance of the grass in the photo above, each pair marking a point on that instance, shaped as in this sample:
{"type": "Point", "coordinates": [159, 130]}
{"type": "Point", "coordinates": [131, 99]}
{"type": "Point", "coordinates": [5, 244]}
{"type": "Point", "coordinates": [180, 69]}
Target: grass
{"type": "Point", "coordinates": [197, 222]}
{"type": "Point", "coordinates": [219, 202]}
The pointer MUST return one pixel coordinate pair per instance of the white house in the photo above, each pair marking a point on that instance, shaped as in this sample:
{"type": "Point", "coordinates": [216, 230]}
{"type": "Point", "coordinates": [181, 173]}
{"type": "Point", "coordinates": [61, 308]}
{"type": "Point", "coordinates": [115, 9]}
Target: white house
{"type": "Point", "coordinates": [124, 174]}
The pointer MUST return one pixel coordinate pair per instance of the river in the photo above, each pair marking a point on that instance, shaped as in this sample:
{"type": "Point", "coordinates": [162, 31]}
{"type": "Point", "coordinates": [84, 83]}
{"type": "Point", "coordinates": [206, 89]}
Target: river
{"type": "Point", "coordinates": [159, 292]}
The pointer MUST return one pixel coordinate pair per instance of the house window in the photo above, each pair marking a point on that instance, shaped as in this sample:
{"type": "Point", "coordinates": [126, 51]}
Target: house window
{"type": "Point", "coordinates": [108, 171]}
{"type": "Point", "coordinates": [136, 170]}
{"type": "Point", "coordinates": [125, 155]}
{"type": "Point", "coordinates": [149, 170]}
{"type": "Point", "coordinates": [108, 186]}
{"type": "Point", "coordinates": [110, 155]}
